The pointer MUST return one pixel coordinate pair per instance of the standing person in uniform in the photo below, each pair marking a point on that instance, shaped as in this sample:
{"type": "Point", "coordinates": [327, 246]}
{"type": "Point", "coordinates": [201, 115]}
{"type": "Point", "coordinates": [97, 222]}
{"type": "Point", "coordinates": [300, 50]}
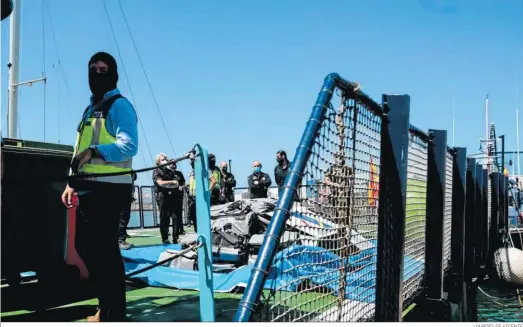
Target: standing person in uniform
{"type": "Point", "coordinates": [217, 188]}
{"type": "Point", "coordinates": [258, 181]}
{"type": "Point", "coordinates": [229, 183]}
{"type": "Point", "coordinates": [281, 170]}
{"type": "Point", "coordinates": [107, 141]}
{"type": "Point", "coordinates": [168, 184]}
{"type": "Point", "coordinates": [125, 217]}
{"type": "Point", "coordinates": [178, 203]}
{"type": "Point", "coordinates": [192, 193]}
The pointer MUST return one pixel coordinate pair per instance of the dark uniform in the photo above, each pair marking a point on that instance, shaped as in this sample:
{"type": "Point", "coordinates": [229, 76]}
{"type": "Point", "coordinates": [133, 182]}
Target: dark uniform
{"type": "Point", "coordinates": [229, 184]}
{"type": "Point", "coordinates": [108, 131]}
{"type": "Point", "coordinates": [125, 217]}
{"type": "Point", "coordinates": [259, 183]}
{"type": "Point", "coordinates": [170, 201]}
{"type": "Point", "coordinates": [280, 173]}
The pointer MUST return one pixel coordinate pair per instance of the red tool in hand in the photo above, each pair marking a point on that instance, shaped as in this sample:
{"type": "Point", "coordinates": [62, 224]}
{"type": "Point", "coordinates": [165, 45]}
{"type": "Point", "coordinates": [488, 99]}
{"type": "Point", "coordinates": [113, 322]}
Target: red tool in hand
{"type": "Point", "coordinates": [73, 258]}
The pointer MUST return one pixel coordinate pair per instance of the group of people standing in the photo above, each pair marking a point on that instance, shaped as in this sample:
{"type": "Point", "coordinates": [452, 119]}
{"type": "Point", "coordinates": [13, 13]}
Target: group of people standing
{"type": "Point", "coordinates": [170, 187]}
{"type": "Point", "coordinates": [106, 143]}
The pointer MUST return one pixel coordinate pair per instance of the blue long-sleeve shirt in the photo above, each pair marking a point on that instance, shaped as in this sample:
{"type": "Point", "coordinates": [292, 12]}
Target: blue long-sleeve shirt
{"type": "Point", "coordinates": [121, 122]}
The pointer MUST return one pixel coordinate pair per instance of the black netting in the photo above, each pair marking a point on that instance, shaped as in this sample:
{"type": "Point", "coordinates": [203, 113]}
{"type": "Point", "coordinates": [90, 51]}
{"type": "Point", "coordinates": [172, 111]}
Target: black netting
{"type": "Point", "coordinates": [416, 213]}
{"type": "Point", "coordinates": [325, 268]}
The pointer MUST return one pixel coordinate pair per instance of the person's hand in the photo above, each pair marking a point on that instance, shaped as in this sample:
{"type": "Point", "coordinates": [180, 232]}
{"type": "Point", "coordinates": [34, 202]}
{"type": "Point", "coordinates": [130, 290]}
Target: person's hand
{"type": "Point", "coordinates": [80, 159]}
{"type": "Point", "coordinates": [67, 197]}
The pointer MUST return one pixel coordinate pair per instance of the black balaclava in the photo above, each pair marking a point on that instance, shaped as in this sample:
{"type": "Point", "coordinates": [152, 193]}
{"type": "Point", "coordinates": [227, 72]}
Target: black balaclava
{"type": "Point", "coordinates": [103, 83]}
{"type": "Point", "coordinates": [212, 161]}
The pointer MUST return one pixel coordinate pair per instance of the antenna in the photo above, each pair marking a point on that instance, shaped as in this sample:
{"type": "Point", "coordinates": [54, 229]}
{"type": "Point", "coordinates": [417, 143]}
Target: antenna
{"type": "Point", "coordinates": [517, 136]}
{"type": "Point", "coordinates": [14, 69]}
{"type": "Point", "coordinates": [453, 118]}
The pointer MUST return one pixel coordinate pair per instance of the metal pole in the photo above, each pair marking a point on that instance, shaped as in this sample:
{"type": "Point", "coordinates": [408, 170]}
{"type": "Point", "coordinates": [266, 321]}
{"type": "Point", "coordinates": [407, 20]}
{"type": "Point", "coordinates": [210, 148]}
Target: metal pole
{"type": "Point", "coordinates": [203, 219]}
{"type": "Point", "coordinates": [14, 68]}
{"type": "Point", "coordinates": [453, 118]}
{"type": "Point", "coordinates": [517, 137]}
{"type": "Point", "coordinates": [502, 137]}
{"type": "Point", "coordinates": [230, 167]}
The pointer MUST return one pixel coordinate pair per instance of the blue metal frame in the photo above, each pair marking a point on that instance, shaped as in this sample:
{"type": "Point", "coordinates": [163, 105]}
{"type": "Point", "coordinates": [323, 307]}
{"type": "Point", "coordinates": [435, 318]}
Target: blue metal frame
{"type": "Point", "coordinates": [436, 179]}
{"type": "Point", "coordinates": [457, 289]}
{"type": "Point", "coordinates": [203, 218]}
{"type": "Point", "coordinates": [268, 248]}
{"type": "Point", "coordinates": [392, 207]}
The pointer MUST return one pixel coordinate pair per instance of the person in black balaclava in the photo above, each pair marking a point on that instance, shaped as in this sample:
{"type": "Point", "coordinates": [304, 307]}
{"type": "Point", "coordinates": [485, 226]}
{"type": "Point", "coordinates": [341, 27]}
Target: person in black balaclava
{"type": "Point", "coordinates": [107, 141]}
{"type": "Point", "coordinates": [281, 169]}
{"type": "Point", "coordinates": [102, 79]}
{"type": "Point", "coordinates": [229, 183]}
{"type": "Point", "coordinates": [216, 189]}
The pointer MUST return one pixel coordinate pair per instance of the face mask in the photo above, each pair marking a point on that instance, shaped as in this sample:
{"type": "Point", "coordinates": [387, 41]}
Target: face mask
{"type": "Point", "coordinates": [101, 83]}
{"type": "Point", "coordinates": [257, 169]}
{"type": "Point", "coordinates": [163, 162]}
{"type": "Point", "coordinates": [224, 169]}
{"type": "Point", "coordinates": [279, 160]}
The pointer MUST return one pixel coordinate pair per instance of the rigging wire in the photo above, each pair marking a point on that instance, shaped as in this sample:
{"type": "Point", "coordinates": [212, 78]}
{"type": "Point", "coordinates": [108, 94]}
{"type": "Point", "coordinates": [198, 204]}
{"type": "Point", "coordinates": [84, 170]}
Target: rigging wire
{"type": "Point", "coordinates": [146, 76]}
{"type": "Point", "coordinates": [43, 69]}
{"type": "Point", "coordinates": [129, 84]}
{"type": "Point", "coordinates": [59, 103]}
{"type": "Point", "coordinates": [58, 55]}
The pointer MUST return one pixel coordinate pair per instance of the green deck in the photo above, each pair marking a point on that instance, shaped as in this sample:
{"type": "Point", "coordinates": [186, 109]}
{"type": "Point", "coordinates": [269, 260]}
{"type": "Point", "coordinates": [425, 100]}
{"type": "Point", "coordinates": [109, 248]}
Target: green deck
{"type": "Point", "coordinates": [147, 304]}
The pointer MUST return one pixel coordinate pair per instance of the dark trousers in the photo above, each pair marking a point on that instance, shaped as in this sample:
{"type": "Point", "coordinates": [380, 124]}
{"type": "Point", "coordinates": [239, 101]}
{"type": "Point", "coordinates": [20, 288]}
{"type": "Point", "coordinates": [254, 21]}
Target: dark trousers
{"type": "Point", "coordinates": [171, 207]}
{"type": "Point", "coordinates": [192, 212]}
{"type": "Point", "coordinates": [125, 217]}
{"type": "Point", "coordinates": [97, 229]}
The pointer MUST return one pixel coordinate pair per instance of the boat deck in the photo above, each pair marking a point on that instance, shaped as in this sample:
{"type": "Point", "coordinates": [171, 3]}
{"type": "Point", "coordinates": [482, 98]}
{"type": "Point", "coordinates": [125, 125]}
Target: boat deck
{"type": "Point", "coordinates": [144, 304]}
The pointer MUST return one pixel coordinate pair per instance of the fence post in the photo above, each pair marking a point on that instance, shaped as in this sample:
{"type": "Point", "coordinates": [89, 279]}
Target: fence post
{"type": "Point", "coordinates": [436, 308]}
{"type": "Point", "coordinates": [501, 204]}
{"type": "Point", "coordinates": [391, 210]}
{"type": "Point", "coordinates": [140, 207]}
{"type": "Point", "coordinates": [437, 155]}
{"type": "Point", "coordinates": [469, 237]}
{"type": "Point", "coordinates": [203, 220]}
{"type": "Point", "coordinates": [485, 223]}
{"type": "Point", "coordinates": [505, 205]}
{"type": "Point", "coordinates": [457, 291]}
{"type": "Point", "coordinates": [494, 243]}
{"type": "Point", "coordinates": [479, 220]}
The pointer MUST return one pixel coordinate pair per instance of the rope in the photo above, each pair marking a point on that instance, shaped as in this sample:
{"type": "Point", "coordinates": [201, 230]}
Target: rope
{"type": "Point", "coordinates": [493, 298]}
{"type": "Point", "coordinates": [190, 155]}
{"type": "Point", "coordinates": [58, 54]}
{"type": "Point", "coordinates": [159, 263]}
{"type": "Point", "coordinates": [129, 84]}
{"type": "Point", "coordinates": [146, 77]}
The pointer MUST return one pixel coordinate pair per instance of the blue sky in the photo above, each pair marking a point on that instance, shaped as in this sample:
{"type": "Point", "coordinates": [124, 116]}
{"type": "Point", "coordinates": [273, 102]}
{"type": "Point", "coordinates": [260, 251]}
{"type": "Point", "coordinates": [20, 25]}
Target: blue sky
{"type": "Point", "coordinates": [241, 77]}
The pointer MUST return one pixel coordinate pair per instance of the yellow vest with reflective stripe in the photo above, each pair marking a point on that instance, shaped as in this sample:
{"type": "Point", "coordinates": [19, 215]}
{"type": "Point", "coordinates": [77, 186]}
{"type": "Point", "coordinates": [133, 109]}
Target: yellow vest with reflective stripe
{"type": "Point", "coordinates": [218, 176]}
{"type": "Point", "coordinates": [192, 184]}
{"type": "Point", "coordinates": [94, 132]}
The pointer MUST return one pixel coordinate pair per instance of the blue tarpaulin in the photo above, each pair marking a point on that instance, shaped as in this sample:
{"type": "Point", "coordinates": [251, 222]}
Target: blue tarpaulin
{"type": "Point", "coordinates": [292, 266]}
